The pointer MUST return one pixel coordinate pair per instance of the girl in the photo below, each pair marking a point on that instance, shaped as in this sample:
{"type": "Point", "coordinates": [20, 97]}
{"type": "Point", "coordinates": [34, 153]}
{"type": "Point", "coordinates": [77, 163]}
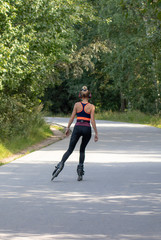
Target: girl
{"type": "Point", "coordinates": [85, 113]}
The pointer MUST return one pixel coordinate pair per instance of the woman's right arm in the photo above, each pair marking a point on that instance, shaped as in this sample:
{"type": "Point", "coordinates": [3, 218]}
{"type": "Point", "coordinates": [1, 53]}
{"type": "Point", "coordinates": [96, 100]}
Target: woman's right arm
{"type": "Point", "coordinates": [67, 132]}
{"type": "Point", "coordinates": [94, 123]}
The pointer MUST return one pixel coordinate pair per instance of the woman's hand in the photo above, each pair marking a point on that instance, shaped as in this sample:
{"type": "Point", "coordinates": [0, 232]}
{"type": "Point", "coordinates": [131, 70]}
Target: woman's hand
{"type": "Point", "coordinates": [96, 138]}
{"type": "Point", "coordinates": [67, 132]}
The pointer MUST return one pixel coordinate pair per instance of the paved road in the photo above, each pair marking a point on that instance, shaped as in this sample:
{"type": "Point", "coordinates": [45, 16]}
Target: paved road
{"type": "Point", "coordinates": [119, 199]}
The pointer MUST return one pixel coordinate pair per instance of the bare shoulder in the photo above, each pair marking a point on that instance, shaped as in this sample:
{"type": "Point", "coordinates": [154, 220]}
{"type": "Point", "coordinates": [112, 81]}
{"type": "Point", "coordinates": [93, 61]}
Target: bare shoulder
{"type": "Point", "coordinates": [92, 106]}
{"type": "Point", "coordinates": [89, 108]}
{"type": "Point", "coordinates": [77, 104]}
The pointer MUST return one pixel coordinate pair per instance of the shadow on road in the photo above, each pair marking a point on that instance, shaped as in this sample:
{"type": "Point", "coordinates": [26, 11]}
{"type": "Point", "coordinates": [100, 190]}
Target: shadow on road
{"type": "Point", "coordinates": [115, 201]}
{"type": "Point", "coordinates": [119, 198]}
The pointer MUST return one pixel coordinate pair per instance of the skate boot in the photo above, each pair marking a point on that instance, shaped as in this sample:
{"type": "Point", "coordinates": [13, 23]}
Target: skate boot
{"type": "Point", "coordinates": [80, 172]}
{"type": "Point", "coordinates": [57, 170]}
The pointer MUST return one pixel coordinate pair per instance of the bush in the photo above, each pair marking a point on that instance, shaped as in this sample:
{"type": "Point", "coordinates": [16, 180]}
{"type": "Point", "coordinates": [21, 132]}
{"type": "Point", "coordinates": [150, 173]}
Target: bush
{"type": "Point", "coordinates": [18, 115]}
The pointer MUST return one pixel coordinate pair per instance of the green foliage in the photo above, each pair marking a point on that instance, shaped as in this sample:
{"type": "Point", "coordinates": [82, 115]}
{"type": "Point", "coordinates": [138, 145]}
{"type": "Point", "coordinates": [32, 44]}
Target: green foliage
{"type": "Point", "coordinates": [35, 37]}
{"type": "Point", "coordinates": [117, 57]}
{"type": "Point", "coordinates": [132, 63]}
{"type": "Point", "coordinates": [49, 49]}
{"type": "Point", "coordinates": [18, 115]}
{"type": "Point", "coordinates": [15, 144]}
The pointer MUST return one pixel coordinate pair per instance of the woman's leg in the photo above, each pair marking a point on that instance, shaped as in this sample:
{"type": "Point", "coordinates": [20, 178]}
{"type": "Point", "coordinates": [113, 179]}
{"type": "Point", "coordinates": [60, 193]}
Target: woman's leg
{"type": "Point", "coordinates": [73, 141]}
{"type": "Point", "coordinates": [85, 140]}
{"type": "Point", "coordinates": [86, 135]}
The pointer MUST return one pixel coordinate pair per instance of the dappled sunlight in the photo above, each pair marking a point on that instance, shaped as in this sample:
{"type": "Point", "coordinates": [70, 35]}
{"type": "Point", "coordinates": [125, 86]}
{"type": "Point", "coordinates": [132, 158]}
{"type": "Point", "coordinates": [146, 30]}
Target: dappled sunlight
{"type": "Point", "coordinates": [138, 237]}
{"type": "Point", "coordinates": [99, 200]}
{"type": "Point", "coordinates": [128, 200]}
{"type": "Point", "coordinates": [118, 142]}
{"type": "Point", "coordinates": [67, 236]}
{"type": "Point", "coordinates": [118, 199]}
{"type": "Point", "coordinates": [59, 236]}
{"type": "Point", "coordinates": [100, 123]}
{"type": "Point", "coordinates": [110, 124]}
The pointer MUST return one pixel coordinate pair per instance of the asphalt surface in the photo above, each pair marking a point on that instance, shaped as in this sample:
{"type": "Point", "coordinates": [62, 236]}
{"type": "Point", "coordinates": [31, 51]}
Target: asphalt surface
{"type": "Point", "coordinates": [119, 198]}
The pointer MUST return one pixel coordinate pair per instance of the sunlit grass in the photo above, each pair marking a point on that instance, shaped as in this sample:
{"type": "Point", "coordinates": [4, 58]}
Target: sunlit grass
{"type": "Point", "coordinates": [11, 146]}
{"type": "Point", "coordinates": [60, 128]}
{"type": "Point", "coordinates": [130, 117]}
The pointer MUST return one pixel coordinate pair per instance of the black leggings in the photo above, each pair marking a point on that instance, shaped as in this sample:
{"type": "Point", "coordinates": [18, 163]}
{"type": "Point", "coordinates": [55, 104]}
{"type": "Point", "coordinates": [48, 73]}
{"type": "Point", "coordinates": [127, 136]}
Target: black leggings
{"type": "Point", "coordinates": [78, 131]}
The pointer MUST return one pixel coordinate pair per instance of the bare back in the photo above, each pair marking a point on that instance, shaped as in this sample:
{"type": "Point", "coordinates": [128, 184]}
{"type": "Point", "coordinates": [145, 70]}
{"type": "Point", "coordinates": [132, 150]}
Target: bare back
{"type": "Point", "coordinates": [87, 108]}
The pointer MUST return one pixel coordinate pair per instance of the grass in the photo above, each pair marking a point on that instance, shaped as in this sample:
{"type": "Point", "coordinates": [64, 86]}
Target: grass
{"type": "Point", "coordinates": [60, 128]}
{"type": "Point", "coordinates": [130, 117]}
{"type": "Point", "coordinates": [19, 143]}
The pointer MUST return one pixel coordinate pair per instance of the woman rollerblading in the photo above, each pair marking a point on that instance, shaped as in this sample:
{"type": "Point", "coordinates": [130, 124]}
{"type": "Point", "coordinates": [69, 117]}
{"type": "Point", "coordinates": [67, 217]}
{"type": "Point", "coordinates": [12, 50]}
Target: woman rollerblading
{"type": "Point", "coordinates": [85, 114]}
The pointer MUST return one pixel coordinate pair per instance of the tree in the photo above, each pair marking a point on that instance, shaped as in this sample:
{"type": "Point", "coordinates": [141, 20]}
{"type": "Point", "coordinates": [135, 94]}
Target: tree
{"type": "Point", "coordinates": [117, 56]}
{"type": "Point", "coordinates": [35, 37]}
{"type": "Point", "coordinates": [131, 59]}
